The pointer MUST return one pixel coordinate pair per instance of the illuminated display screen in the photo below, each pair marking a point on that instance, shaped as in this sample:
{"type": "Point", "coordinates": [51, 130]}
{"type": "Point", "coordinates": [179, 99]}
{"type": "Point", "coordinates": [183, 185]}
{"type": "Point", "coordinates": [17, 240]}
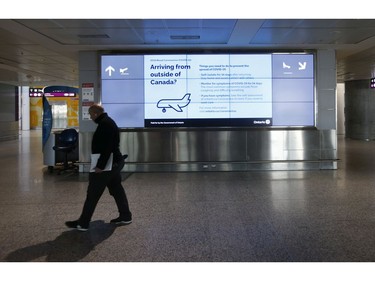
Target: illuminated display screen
{"type": "Point", "coordinates": [209, 90]}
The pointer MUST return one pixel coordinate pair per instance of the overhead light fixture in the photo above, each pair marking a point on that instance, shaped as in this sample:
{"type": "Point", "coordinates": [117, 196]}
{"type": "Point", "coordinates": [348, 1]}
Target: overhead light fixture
{"type": "Point", "coordinates": [372, 83]}
{"type": "Point", "coordinates": [93, 36]}
{"type": "Point", "coordinates": [185, 37]}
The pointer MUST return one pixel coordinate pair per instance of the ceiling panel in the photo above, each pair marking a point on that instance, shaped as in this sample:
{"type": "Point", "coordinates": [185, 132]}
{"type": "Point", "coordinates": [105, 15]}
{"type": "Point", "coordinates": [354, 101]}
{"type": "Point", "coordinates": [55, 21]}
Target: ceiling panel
{"type": "Point", "coordinates": [74, 36]}
{"type": "Point", "coordinates": [10, 38]}
{"type": "Point", "coordinates": [37, 24]}
{"type": "Point", "coordinates": [37, 50]}
{"type": "Point", "coordinates": [185, 36]}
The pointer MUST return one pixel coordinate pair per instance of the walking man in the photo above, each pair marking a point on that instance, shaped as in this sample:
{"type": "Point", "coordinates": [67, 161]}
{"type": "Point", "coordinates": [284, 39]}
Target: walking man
{"type": "Point", "coordinates": [106, 143]}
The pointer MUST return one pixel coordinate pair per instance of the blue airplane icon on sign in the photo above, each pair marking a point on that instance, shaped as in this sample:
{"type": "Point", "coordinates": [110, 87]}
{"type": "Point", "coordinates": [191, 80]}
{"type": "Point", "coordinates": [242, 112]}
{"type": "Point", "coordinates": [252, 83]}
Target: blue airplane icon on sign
{"type": "Point", "coordinates": [176, 104]}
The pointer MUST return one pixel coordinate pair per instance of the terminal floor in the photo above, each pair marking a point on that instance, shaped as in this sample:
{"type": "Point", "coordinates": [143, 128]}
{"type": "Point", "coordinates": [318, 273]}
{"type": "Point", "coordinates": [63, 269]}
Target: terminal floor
{"type": "Point", "coordinates": [255, 216]}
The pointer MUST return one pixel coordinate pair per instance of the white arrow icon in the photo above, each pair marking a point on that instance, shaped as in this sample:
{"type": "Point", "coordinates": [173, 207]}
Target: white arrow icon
{"type": "Point", "coordinates": [109, 69]}
{"type": "Point", "coordinates": [302, 66]}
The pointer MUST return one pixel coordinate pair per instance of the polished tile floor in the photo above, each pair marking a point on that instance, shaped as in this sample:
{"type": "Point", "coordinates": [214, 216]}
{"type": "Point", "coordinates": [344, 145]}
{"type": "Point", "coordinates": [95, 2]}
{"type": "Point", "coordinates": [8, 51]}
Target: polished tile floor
{"type": "Point", "coordinates": [256, 216]}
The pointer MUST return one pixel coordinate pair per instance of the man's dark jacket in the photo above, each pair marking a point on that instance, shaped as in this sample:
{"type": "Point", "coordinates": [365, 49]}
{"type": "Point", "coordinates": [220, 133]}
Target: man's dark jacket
{"type": "Point", "coordinates": [106, 140]}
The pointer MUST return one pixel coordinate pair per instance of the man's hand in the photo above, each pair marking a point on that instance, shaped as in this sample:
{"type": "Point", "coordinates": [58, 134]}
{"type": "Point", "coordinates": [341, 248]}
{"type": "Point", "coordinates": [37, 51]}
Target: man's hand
{"type": "Point", "coordinates": [97, 170]}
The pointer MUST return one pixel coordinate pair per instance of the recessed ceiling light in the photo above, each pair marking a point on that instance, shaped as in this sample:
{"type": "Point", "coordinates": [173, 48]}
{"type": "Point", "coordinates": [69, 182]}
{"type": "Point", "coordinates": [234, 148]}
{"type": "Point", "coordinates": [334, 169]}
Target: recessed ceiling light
{"type": "Point", "coordinates": [185, 37]}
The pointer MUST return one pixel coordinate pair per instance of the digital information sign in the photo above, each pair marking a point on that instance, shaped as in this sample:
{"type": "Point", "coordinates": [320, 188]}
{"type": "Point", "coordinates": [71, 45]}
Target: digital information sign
{"type": "Point", "coordinates": [209, 90]}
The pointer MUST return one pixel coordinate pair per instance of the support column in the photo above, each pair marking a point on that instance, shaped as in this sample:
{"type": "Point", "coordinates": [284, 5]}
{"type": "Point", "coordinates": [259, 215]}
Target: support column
{"type": "Point", "coordinates": [25, 108]}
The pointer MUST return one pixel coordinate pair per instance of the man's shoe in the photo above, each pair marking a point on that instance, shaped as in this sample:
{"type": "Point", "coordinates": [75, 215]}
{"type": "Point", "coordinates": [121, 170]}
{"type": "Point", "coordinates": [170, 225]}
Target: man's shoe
{"type": "Point", "coordinates": [121, 221]}
{"type": "Point", "coordinates": [76, 225]}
